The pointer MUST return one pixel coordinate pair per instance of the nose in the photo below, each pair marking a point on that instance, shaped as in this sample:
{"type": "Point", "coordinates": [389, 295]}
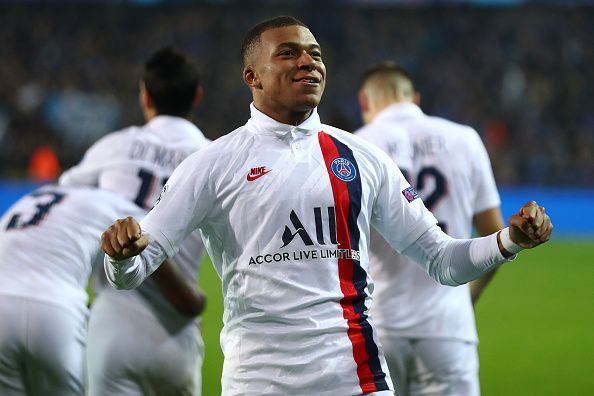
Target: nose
{"type": "Point", "coordinates": [306, 62]}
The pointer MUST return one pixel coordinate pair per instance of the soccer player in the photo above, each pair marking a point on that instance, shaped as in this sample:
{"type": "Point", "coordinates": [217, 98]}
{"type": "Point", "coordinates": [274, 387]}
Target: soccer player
{"type": "Point", "coordinates": [148, 341]}
{"type": "Point", "coordinates": [427, 330]}
{"type": "Point", "coordinates": [49, 241]}
{"type": "Point", "coordinates": [285, 204]}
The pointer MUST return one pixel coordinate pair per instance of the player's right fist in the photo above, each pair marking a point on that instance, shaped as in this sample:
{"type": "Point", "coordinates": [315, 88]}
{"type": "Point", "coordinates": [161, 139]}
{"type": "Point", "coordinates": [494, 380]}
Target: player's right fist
{"type": "Point", "coordinates": [123, 239]}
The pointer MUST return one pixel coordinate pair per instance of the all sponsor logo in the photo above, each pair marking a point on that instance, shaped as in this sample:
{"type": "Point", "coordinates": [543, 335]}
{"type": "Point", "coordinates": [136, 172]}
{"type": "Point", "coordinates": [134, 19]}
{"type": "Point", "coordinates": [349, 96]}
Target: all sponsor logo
{"type": "Point", "coordinates": [295, 232]}
{"type": "Point", "coordinates": [299, 230]}
{"type": "Point", "coordinates": [343, 169]}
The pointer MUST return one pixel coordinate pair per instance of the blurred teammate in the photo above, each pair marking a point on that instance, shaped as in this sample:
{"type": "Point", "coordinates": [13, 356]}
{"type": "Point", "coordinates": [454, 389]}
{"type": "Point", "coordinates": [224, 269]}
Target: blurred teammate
{"type": "Point", "coordinates": [148, 341]}
{"type": "Point", "coordinates": [284, 204]}
{"type": "Point", "coordinates": [427, 329]}
{"type": "Point", "coordinates": [49, 244]}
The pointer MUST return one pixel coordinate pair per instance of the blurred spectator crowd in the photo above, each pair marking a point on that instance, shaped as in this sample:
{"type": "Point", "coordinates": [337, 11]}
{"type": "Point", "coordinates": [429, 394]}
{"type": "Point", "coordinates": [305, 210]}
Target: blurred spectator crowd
{"type": "Point", "coordinates": [522, 77]}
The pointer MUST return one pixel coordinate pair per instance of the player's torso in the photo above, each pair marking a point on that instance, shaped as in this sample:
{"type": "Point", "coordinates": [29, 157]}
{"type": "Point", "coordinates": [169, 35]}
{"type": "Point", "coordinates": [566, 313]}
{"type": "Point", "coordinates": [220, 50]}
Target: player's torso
{"type": "Point", "coordinates": [279, 215]}
{"type": "Point", "coordinates": [144, 160]}
{"type": "Point", "coordinates": [288, 236]}
{"type": "Point", "coordinates": [50, 240]}
{"type": "Point", "coordinates": [442, 175]}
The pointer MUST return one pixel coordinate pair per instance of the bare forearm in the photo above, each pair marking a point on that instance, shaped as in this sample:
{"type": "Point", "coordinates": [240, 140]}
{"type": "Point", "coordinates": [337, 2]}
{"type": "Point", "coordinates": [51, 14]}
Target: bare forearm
{"type": "Point", "coordinates": [180, 293]}
{"type": "Point", "coordinates": [478, 286]}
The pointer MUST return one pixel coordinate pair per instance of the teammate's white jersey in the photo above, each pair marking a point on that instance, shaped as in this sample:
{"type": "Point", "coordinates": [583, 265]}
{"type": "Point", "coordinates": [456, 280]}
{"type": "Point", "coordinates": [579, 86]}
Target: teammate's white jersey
{"type": "Point", "coordinates": [390, 138]}
{"type": "Point", "coordinates": [285, 213]}
{"type": "Point", "coordinates": [452, 173]}
{"type": "Point", "coordinates": [135, 163]}
{"type": "Point", "coordinates": [50, 239]}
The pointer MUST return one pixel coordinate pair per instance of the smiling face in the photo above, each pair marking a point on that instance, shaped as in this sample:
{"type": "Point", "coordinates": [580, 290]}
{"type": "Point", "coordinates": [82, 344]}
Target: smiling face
{"type": "Point", "coordinates": [286, 74]}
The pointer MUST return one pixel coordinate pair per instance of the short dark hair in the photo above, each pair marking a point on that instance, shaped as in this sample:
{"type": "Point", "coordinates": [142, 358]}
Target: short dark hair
{"type": "Point", "coordinates": [171, 80]}
{"type": "Point", "coordinates": [386, 69]}
{"type": "Point", "coordinates": [253, 36]}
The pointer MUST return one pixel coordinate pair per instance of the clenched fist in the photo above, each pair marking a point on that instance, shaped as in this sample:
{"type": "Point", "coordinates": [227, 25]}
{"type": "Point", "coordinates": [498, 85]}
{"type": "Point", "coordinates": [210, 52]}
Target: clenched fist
{"type": "Point", "coordinates": [531, 226]}
{"type": "Point", "coordinates": [123, 239]}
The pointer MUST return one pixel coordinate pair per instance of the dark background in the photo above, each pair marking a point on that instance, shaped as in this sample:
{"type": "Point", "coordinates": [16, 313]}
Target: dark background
{"type": "Point", "coordinates": [521, 75]}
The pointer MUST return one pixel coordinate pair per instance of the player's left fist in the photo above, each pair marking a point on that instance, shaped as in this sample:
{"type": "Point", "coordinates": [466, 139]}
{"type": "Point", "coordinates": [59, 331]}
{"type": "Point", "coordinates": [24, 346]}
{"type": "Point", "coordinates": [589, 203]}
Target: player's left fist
{"type": "Point", "coordinates": [531, 226]}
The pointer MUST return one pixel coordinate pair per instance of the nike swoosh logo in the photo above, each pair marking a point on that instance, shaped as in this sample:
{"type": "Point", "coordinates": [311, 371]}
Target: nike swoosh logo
{"type": "Point", "coordinates": [252, 178]}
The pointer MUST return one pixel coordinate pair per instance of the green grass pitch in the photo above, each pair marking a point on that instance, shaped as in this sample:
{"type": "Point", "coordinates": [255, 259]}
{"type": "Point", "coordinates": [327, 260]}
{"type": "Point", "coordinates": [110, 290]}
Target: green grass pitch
{"type": "Point", "coordinates": [536, 325]}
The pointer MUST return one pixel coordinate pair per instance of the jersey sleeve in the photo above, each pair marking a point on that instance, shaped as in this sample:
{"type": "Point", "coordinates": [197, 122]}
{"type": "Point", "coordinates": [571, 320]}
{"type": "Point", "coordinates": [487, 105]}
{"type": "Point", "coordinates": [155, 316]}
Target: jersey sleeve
{"type": "Point", "coordinates": [487, 196]}
{"type": "Point", "coordinates": [186, 200]}
{"type": "Point", "coordinates": [399, 214]}
{"type": "Point", "coordinates": [87, 173]}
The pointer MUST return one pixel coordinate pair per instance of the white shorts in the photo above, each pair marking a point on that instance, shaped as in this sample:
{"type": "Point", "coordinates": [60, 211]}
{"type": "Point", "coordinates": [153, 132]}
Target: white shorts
{"type": "Point", "coordinates": [133, 352]}
{"type": "Point", "coordinates": [432, 366]}
{"type": "Point", "coordinates": [41, 349]}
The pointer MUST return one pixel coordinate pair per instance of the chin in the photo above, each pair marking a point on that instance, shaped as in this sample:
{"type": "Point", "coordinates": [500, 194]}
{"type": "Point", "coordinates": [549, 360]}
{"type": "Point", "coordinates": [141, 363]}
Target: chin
{"type": "Point", "coordinates": [308, 103]}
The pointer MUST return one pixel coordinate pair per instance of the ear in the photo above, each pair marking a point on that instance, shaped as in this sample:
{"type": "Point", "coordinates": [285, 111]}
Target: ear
{"type": "Point", "coordinates": [363, 101]}
{"type": "Point", "coordinates": [146, 101]}
{"type": "Point", "coordinates": [251, 77]}
{"type": "Point", "coordinates": [198, 96]}
{"type": "Point", "coordinates": [417, 98]}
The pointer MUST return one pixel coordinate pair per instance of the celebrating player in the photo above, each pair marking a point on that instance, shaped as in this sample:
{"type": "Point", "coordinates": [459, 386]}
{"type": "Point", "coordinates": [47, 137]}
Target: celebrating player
{"type": "Point", "coordinates": [285, 204]}
{"type": "Point", "coordinates": [160, 316]}
{"type": "Point", "coordinates": [48, 241]}
{"type": "Point", "coordinates": [427, 330]}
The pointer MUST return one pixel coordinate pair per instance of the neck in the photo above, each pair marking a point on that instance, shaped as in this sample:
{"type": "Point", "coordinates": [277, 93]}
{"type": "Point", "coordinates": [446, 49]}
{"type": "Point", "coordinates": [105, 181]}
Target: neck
{"type": "Point", "coordinates": [284, 116]}
{"type": "Point", "coordinates": [149, 114]}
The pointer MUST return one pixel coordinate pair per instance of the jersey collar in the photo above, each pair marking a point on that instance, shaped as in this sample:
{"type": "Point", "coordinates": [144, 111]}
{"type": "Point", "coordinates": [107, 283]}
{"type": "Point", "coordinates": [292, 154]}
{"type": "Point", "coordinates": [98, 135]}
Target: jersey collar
{"type": "Point", "coordinates": [262, 124]}
{"type": "Point", "coordinates": [399, 111]}
{"type": "Point", "coordinates": [173, 125]}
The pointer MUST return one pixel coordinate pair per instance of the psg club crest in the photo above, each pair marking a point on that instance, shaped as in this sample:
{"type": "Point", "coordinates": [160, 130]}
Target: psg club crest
{"type": "Point", "coordinates": [343, 169]}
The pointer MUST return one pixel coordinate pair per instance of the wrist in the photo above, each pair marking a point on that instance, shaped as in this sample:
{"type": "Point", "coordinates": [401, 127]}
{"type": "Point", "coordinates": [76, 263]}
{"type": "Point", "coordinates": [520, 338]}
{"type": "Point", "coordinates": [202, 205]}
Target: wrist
{"type": "Point", "coordinates": [506, 245]}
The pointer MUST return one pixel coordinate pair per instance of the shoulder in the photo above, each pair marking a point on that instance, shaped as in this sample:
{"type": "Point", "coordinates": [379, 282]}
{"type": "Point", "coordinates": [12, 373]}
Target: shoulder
{"type": "Point", "coordinates": [451, 128]}
{"type": "Point", "coordinates": [382, 130]}
{"type": "Point", "coordinates": [225, 144]}
{"type": "Point", "coordinates": [128, 133]}
{"type": "Point", "coordinates": [115, 141]}
{"type": "Point", "coordinates": [456, 134]}
{"type": "Point", "coordinates": [225, 149]}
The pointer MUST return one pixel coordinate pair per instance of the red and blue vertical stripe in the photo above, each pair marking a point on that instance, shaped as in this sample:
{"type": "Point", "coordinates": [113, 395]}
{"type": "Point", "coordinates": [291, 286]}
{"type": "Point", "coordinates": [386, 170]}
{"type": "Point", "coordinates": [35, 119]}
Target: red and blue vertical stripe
{"type": "Point", "coordinates": [353, 278]}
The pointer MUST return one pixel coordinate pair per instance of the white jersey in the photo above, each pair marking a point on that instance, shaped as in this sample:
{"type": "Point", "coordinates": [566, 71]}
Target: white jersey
{"type": "Point", "coordinates": [452, 173]}
{"type": "Point", "coordinates": [50, 239]}
{"type": "Point", "coordinates": [285, 213]}
{"type": "Point", "coordinates": [135, 163]}
{"type": "Point", "coordinates": [391, 138]}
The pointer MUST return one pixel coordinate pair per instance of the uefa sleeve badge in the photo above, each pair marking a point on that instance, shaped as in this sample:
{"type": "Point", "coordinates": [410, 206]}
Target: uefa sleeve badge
{"type": "Point", "coordinates": [410, 194]}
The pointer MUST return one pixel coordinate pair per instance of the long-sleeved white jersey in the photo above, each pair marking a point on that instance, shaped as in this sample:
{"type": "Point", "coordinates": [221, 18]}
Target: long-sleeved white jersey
{"type": "Point", "coordinates": [285, 213]}
{"type": "Point", "coordinates": [136, 162]}
{"type": "Point", "coordinates": [450, 169]}
{"type": "Point", "coordinates": [50, 241]}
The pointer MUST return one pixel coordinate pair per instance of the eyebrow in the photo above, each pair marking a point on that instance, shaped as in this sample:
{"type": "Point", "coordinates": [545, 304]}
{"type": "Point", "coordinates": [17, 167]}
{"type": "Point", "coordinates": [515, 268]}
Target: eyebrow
{"type": "Point", "coordinates": [298, 45]}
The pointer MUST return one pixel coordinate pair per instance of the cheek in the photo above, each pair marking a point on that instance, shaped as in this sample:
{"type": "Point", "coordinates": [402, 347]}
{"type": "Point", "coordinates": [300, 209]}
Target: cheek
{"type": "Point", "coordinates": [270, 77]}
